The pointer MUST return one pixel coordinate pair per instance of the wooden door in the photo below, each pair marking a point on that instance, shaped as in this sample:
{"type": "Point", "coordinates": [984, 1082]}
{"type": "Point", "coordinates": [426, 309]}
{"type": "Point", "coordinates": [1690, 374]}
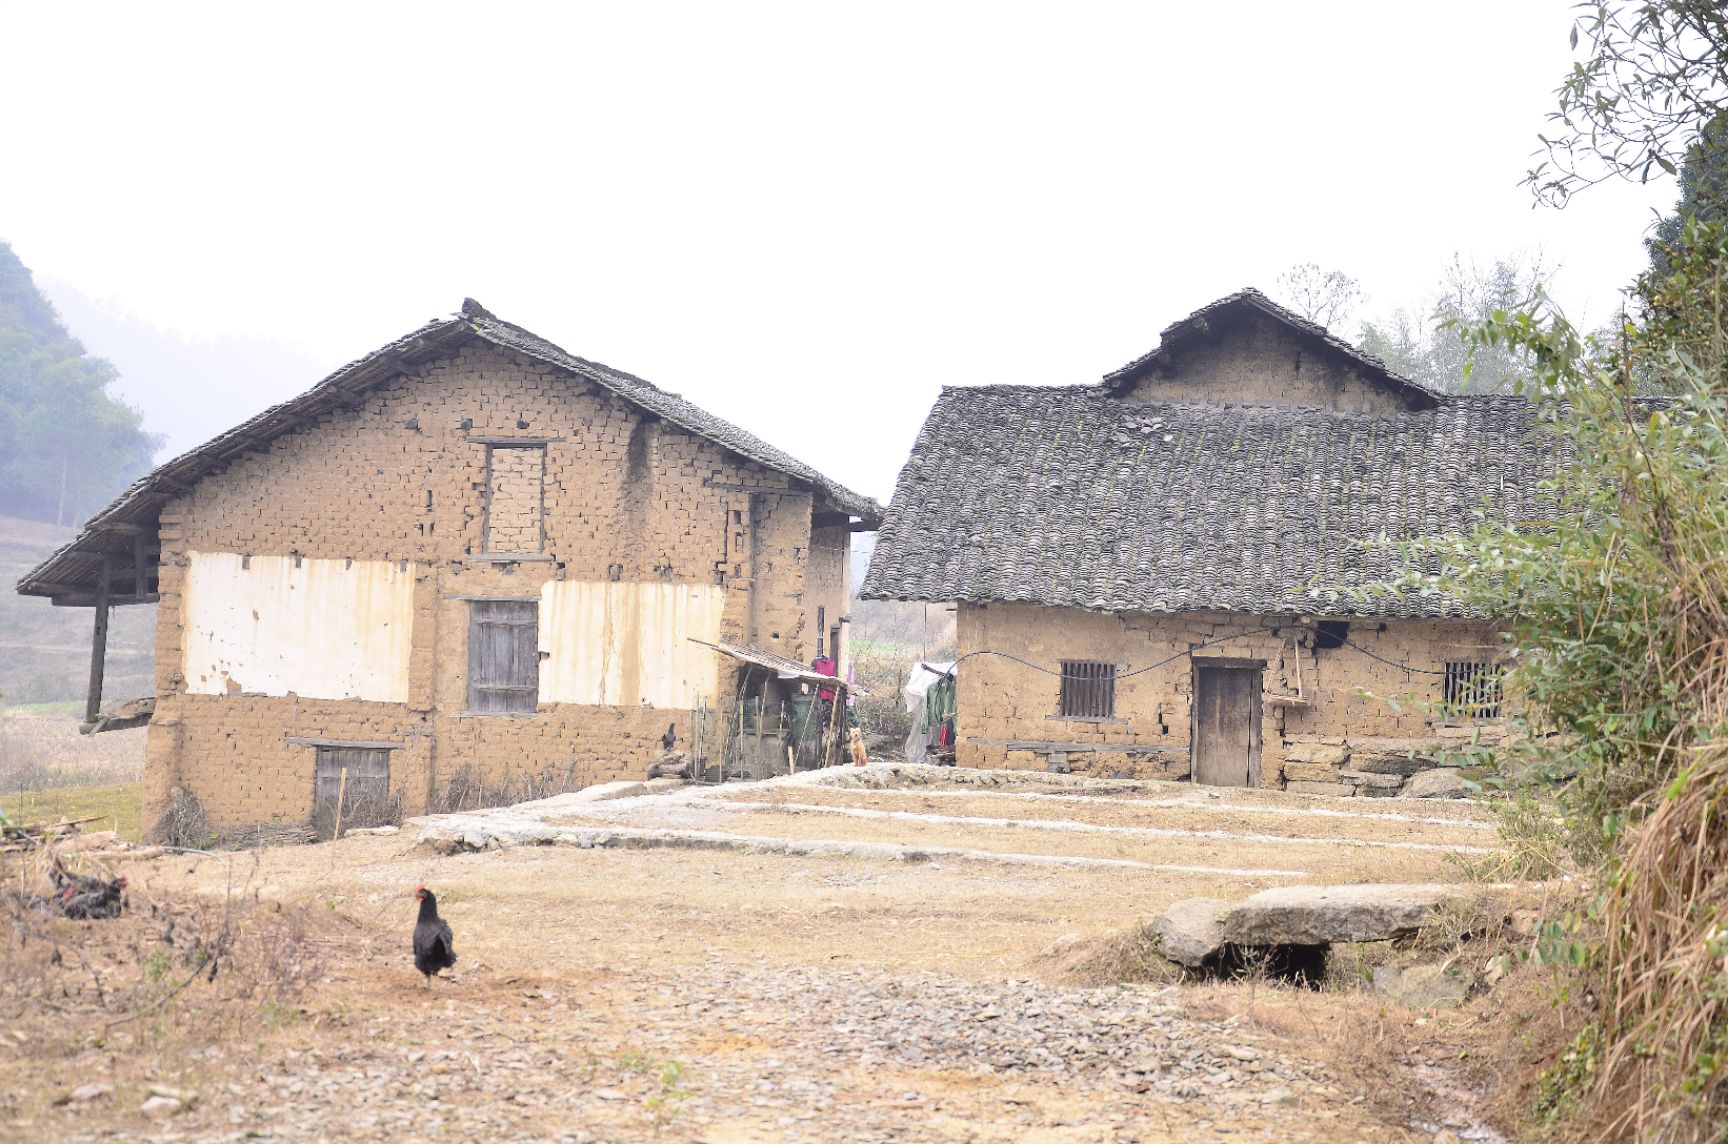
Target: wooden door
{"type": "Point", "coordinates": [365, 797]}
{"type": "Point", "coordinates": [1225, 748]}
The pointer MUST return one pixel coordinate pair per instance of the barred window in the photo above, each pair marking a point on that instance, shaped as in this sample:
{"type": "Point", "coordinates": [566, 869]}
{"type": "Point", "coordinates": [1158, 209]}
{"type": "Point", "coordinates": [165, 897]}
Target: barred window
{"type": "Point", "coordinates": [1472, 689]}
{"type": "Point", "coordinates": [1088, 690]}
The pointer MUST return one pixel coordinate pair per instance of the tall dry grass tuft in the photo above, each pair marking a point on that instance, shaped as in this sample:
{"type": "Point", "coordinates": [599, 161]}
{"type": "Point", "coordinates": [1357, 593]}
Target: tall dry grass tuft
{"type": "Point", "coordinates": [1663, 1070]}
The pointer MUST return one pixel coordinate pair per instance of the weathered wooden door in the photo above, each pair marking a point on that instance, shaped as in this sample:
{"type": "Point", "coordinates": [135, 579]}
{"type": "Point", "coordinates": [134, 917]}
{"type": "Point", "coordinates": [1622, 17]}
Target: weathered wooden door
{"type": "Point", "coordinates": [1225, 747]}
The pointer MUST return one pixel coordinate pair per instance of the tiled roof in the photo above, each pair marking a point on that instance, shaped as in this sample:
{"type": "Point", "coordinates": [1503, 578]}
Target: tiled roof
{"type": "Point", "coordinates": [670, 407]}
{"type": "Point", "coordinates": [71, 573]}
{"type": "Point", "coordinates": [1072, 497]}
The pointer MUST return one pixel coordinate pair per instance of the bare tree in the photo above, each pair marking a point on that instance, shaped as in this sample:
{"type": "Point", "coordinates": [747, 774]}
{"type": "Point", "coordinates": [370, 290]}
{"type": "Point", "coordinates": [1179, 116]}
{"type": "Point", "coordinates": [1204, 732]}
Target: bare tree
{"type": "Point", "coordinates": [1327, 297]}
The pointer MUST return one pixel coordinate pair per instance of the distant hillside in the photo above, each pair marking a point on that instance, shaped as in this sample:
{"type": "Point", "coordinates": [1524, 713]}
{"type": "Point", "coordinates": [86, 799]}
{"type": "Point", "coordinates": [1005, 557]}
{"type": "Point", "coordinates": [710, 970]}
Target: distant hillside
{"type": "Point", "coordinates": [44, 650]}
{"type": "Point", "coordinates": [66, 444]}
{"type": "Point", "coordinates": [893, 627]}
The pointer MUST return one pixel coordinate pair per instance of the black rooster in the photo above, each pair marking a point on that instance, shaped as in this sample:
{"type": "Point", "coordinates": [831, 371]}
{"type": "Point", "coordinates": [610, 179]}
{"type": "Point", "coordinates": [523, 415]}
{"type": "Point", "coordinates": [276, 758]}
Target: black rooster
{"type": "Point", "coordinates": [91, 905]}
{"type": "Point", "coordinates": [432, 948]}
{"type": "Point", "coordinates": [64, 879]}
{"type": "Point", "coordinates": [670, 738]}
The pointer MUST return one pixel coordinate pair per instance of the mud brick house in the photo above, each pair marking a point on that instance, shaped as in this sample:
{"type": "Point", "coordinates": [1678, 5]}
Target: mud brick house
{"type": "Point", "coordinates": [469, 549]}
{"type": "Point", "coordinates": [1173, 559]}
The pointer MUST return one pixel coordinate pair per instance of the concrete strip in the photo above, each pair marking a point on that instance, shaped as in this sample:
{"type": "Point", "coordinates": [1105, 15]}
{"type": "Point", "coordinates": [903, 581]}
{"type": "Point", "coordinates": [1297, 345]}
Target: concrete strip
{"type": "Point", "coordinates": [1192, 802]}
{"type": "Point", "coordinates": [469, 834]}
{"type": "Point", "coordinates": [1093, 828]}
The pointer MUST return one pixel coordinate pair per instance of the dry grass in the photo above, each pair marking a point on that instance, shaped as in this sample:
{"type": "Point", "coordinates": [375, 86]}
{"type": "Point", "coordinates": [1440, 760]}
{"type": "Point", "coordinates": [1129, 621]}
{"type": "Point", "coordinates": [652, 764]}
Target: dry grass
{"type": "Point", "coordinates": [1663, 1073]}
{"type": "Point", "coordinates": [1129, 957]}
{"type": "Point", "coordinates": [467, 789]}
{"type": "Point", "coordinates": [121, 805]}
{"type": "Point", "coordinates": [41, 748]}
{"type": "Point", "coordinates": [182, 969]}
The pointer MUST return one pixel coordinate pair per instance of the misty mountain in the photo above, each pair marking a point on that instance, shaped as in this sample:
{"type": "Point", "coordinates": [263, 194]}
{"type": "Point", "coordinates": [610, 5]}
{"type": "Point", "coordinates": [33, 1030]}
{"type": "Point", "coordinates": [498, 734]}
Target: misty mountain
{"type": "Point", "coordinates": [190, 389]}
{"type": "Point", "coordinates": [67, 443]}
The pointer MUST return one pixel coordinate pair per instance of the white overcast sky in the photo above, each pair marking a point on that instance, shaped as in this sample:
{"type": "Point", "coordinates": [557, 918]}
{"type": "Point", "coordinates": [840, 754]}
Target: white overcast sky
{"type": "Point", "coordinates": [806, 217]}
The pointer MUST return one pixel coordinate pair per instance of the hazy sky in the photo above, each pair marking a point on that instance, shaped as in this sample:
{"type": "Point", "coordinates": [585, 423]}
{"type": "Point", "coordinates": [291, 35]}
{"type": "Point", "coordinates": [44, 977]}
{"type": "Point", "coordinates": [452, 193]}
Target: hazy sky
{"type": "Point", "coordinates": [806, 217]}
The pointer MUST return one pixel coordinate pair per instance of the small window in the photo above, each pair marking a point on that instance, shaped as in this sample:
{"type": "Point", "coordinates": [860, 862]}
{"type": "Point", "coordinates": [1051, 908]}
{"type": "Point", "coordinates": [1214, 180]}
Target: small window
{"type": "Point", "coordinates": [1472, 689]}
{"type": "Point", "coordinates": [1088, 690]}
{"type": "Point", "coordinates": [515, 499]}
{"type": "Point", "coordinates": [364, 797]}
{"type": "Point", "coordinates": [1329, 635]}
{"type": "Point", "coordinates": [503, 657]}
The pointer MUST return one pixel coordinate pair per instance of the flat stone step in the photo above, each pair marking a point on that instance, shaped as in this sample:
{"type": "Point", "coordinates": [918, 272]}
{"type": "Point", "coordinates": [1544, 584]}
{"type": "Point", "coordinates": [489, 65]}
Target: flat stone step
{"type": "Point", "coordinates": [1324, 915]}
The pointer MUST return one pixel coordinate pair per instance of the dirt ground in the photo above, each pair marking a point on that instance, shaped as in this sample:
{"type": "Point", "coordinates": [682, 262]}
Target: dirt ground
{"type": "Point", "coordinates": [680, 994]}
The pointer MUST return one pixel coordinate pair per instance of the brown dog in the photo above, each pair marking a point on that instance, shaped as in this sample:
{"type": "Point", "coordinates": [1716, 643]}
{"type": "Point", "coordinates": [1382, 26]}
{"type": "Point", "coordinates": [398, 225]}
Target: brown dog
{"type": "Point", "coordinates": [855, 744]}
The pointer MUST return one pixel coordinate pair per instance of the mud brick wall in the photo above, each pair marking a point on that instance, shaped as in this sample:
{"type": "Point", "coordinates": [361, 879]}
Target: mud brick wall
{"type": "Point", "coordinates": [1263, 362]}
{"type": "Point", "coordinates": [1008, 713]}
{"type": "Point", "coordinates": [402, 476]}
{"type": "Point", "coordinates": [828, 583]}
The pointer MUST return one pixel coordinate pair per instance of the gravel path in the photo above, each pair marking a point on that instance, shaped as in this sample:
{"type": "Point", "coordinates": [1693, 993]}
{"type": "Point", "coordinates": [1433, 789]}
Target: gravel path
{"type": "Point", "coordinates": [805, 1055]}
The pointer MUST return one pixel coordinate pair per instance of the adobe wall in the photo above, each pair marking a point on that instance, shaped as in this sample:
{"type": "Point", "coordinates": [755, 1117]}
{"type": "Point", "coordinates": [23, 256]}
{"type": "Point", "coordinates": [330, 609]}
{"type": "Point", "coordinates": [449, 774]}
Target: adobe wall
{"type": "Point", "coordinates": [828, 581]}
{"type": "Point", "coordinates": [1264, 362]}
{"type": "Point", "coordinates": [1008, 712]}
{"type": "Point", "coordinates": [399, 478]}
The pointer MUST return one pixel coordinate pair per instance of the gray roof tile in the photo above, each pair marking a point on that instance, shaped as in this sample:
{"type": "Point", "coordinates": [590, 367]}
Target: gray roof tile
{"type": "Point", "coordinates": [1072, 497]}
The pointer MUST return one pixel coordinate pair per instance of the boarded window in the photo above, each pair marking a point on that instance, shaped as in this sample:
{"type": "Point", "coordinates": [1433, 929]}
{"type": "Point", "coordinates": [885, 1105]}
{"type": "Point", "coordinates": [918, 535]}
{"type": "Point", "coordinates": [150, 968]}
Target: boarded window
{"type": "Point", "coordinates": [504, 657]}
{"type": "Point", "coordinates": [364, 798]}
{"type": "Point", "coordinates": [1472, 689]}
{"type": "Point", "coordinates": [1088, 690]}
{"type": "Point", "coordinates": [515, 499]}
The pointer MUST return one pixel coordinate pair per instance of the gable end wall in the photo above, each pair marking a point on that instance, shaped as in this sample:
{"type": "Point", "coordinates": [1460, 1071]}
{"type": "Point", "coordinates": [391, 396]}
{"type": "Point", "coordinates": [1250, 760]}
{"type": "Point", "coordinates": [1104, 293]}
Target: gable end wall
{"type": "Point", "coordinates": [399, 478]}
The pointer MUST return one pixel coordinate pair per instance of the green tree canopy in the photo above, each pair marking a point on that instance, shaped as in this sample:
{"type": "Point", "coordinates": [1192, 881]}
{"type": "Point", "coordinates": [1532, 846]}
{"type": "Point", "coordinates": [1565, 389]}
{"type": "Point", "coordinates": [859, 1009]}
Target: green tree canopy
{"type": "Point", "coordinates": [1433, 348]}
{"type": "Point", "coordinates": [67, 445]}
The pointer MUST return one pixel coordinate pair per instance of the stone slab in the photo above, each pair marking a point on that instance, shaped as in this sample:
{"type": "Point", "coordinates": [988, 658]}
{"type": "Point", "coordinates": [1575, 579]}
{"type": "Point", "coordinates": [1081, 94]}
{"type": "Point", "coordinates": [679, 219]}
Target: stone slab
{"type": "Point", "coordinates": [1191, 931]}
{"type": "Point", "coordinates": [1340, 790]}
{"type": "Point", "coordinates": [1310, 772]}
{"type": "Point", "coordinates": [1371, 779]}
{"type": "Point", "coordinates": [1327, 754]}
{"type": "Point", "coordinates": [1323, 915]}
{"type": "Point", "coordinates": [1443, 782]}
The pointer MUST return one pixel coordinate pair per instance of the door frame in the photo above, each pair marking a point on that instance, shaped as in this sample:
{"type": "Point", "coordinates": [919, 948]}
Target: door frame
{"type": "Point", "coordinates": [1257, 713]}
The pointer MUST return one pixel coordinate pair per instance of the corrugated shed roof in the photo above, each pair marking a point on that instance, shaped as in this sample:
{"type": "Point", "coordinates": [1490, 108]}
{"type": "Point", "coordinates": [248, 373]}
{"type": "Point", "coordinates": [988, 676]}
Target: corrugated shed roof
{"type": "Point", "coordinates": [1071, 497]}
{"type": "Point", "coordinates": [73, 570]}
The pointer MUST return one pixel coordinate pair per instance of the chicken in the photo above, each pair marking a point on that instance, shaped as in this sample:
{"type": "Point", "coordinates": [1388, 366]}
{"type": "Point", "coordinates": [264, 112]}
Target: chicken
{"type": "Point", "coordinates": [432, 942]}
{"type": "Point", "coordinates": [64, 879]}
{"type": "Point", "coordinates": [670, 738]}
{"type": "Point", "coordinates": [91, 905]}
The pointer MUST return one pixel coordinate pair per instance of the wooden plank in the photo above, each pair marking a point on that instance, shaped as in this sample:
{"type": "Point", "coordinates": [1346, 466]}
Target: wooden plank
{"type": "Point", "coordinates": [301, 741]}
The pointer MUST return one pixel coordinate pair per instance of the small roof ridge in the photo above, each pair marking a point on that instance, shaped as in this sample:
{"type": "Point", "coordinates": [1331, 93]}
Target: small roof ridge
{"type": "Point", "coordinates": [1183, 328]}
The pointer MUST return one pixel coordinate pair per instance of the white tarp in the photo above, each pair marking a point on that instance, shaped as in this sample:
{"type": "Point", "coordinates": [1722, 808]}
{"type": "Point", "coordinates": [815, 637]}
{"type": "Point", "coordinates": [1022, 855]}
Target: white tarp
{"type": "Point", "coordinates": [617, 643]}
{"type": "Point", "coordinates": [271, 625]}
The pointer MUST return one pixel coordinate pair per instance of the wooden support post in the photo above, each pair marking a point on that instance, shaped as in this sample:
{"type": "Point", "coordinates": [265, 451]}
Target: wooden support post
{"type": "Point", "coordinates": [98, 648]}
{"type": "Point", "coordinates": [139, 585]}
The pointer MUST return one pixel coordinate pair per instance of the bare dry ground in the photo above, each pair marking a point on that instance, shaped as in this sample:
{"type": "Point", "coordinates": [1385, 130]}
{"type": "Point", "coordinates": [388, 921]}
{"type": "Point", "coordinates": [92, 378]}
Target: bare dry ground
{"type": "Point", "coordinates": [686, 994]}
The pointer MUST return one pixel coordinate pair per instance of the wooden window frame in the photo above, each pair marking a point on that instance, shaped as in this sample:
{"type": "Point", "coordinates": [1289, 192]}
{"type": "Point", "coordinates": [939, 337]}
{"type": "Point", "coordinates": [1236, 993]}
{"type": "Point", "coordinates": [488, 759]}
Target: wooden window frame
{"type": "Point", "coordinates": [488, 695]}
{"type": "Point", "coordinates": [1088, 690]}
{"type": "Point", "coordinates": [486, 549]}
